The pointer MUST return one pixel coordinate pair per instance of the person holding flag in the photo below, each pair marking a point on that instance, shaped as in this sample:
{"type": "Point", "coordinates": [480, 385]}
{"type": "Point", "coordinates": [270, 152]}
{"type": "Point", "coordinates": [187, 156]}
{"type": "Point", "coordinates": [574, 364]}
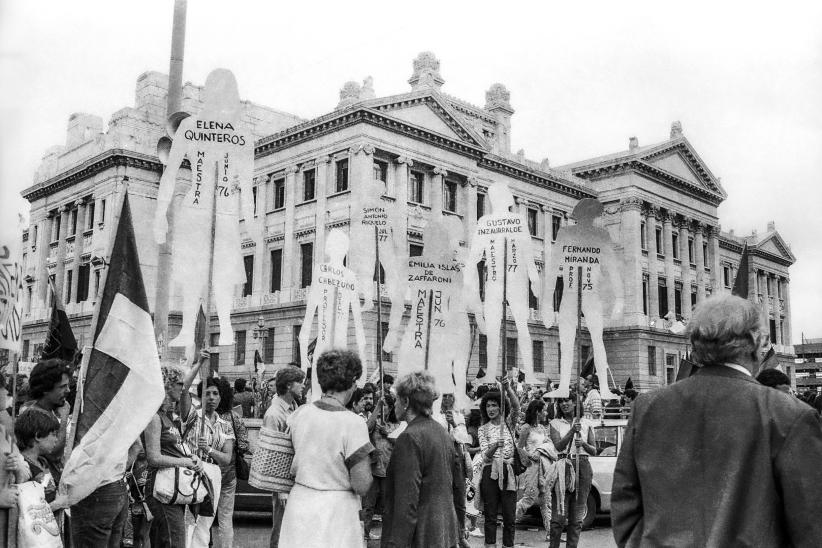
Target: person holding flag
{"type": "Point", "coordinates": [121, 388]}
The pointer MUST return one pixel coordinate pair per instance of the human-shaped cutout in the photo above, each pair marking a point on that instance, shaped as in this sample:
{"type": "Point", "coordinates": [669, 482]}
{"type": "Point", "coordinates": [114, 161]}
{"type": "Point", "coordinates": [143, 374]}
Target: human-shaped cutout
{"type": "Point", "coordinates": [332, 297]}
{"type": "Point", "coordinates": [503, 240]}
{"type": "Point", "coordinates": [371, 210]}
{"type": "Point", "coordinates": [437, 336]}
{"type": "Point", "coordinates": [590, 247]}
{"type": "Point", "coordinates": [221, 153]}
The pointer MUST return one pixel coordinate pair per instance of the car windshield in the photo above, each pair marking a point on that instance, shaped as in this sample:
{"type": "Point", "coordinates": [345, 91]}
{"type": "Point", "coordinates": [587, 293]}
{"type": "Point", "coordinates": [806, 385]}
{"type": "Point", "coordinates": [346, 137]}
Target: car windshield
{"type": "Point", "coordinates": [606, 440]}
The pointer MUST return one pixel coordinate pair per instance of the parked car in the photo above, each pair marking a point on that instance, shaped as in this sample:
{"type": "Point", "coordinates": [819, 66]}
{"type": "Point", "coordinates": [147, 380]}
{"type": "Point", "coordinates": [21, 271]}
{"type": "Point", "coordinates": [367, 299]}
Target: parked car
{"type": "Point", "coordinates": [248, 498]}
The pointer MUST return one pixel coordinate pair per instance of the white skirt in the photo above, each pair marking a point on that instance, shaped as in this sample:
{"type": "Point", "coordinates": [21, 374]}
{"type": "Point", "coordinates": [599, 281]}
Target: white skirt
{"type": "Point", "coordinates": [321, 519]}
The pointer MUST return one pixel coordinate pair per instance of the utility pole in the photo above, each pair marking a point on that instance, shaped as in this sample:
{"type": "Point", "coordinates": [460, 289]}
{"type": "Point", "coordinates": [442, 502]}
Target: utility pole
{"type": "Point", "coordinates": [175, 80]}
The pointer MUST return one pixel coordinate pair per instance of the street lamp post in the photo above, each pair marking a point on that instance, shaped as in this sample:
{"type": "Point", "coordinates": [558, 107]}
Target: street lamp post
{"type": "Point", "coordinates": [260, 334]}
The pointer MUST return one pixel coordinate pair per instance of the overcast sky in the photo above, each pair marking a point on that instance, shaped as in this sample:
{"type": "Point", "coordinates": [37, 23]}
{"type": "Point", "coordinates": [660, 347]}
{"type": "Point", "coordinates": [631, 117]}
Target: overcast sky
{"type": "Point", "coordinates": [745, 80]}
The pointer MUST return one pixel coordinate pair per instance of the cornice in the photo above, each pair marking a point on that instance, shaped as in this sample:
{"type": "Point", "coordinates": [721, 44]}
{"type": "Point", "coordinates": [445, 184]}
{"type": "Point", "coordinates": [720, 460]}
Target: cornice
{"type": "Point", "coordinates": [116, 157]}
{"type": "Point", "coordinates": [545, 180]}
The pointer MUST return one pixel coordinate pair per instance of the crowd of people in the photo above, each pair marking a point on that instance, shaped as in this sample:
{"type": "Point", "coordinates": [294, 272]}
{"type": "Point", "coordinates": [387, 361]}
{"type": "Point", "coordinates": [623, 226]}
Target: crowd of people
{"type": "Point", "coordinates": [722, 458]}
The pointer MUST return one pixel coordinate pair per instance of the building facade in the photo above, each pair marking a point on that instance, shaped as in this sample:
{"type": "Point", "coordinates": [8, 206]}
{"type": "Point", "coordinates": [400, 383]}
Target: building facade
{"type": "Point", "coordinates": [437, 154]}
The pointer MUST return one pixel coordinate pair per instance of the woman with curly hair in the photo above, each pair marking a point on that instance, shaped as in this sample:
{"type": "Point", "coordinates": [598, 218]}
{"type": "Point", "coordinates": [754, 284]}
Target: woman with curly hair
{"type": "Point", "coordinates": [535, 440]}
{"type": "Point", "coordinates": [331, 461]}
{"type": "Point", "coordinates": [165, 447]}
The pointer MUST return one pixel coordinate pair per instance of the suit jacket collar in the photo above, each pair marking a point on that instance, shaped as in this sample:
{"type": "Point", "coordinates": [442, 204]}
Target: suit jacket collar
{"type": "Point", "coordinates": [722, 371]}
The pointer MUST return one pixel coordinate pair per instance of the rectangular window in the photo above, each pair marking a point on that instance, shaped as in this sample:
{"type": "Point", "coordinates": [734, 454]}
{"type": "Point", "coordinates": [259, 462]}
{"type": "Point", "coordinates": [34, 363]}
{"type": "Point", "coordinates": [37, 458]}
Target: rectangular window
{"type": "Point", "coordinates": [295, 344]}
{"type": "Point", "coordinates": [693, 297]}
{"type": "Point", "coordinates": [449, 196]}
{"type": "Point", "coordinates": [239, 348]}
{"type": "Point", "coordinates": [415, 187]}
{"type": "Point", "coordinates": [726, 276]}
{"type": "Point", "coordinates": [276, 269]}
{"type": "Point", "coordinates": [102, 211]}
{"type": "Point", "coordinates": [25, 349]}
{"type": "Point", "coordinates": [268, 349]}
{"type": "Point", "coordinates": [778, 287]}
{"type": "Point", "coordinates": [82, 282]}
{"type": "Point", "coordinates": [480, 205]}
{"type": "Point", "coordinates": [214, 361]}
{"type": "Point", "coordinates": [533, 301]}
{"type": "Point", "coordinates": [558, 286]}
{"type": "Point", "coordinates": [663, 297]}
{"type": "Point", "coordinates": [652, 361]}
{"type": "Point", "coordinates": [279, 194]}
{"type": "Point", "coordinates": [386, 356]}
{"type": "Point", "coordinates": [556, 222]}
{"type": "Point", "coordinates": [214, 339]}
{"type": "Point", "coordinates": [380, 171]}
{"type": "Point", "coordinates": [705, 256]}
{"type": "Point", "coordinates": [559, 352]}
{"type": "Point", "coordinates": [482, 351]}
{"type": "Point", "coordinates": [341, 175]}
{"type": "Point", "coordinates": [96, 284]}
{"type": "Point", "coordinates": [678, 300]}
{"type": "Point", "coordinates": [34, 237]}
{"type": "Point", "coordinates": [675, 244]}
{"type": "Point", "coordinates": [643, 235]}
{"type": "Point", "coordinates": [55, 226]}
{"type": "Point", "coordinates": [73, 222]}
{"type": "Point", "coordinates": [89, 215]}
{"type": "Point", "coordinates": [254, 198]}
{"type": "Point", "coordinates": [691, 255]}
{"type": "Point", "coordinates": [660, 247]}
{"type": "Point", "coordinates": [510, 352]}
{"type": "Point", "coordinates": [309, 184]}
{"type": "Point", "coordinates": [532, 221]}
{"type": "Point", "coordinates": [769, 282]}
{"type": "Point", "coordinates": [67, 288]}
{"type": "Point", "coordinates": [306, 263]}
{"type": "Point", "coordinates": [414, 250]}
{"type": "Point", "coordinates": [248, 263]}
{"type": "Point", "coordinates": [645, 295]}
{"type": "Point", "coordinates": [539, 363]}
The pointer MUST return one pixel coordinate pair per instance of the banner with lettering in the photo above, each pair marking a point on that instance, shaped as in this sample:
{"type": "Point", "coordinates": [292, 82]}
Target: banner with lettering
{"type": "Point", "coordinates": [220, 150]}
{"type": "Point", "coordinates": [584, 258]}
{"type": "Point", "coordinates": [11, 285]}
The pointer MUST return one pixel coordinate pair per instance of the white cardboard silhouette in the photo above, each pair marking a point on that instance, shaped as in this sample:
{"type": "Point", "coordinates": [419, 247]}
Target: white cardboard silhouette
{"type": "Point", "coordinates": [496, 233]}
{"type": "Point", "coordinates": [587, 246]}
{"type": "Point", "coordinates": [221, 153]}
{"type": "Point", "coordinates": [332, 296]}
{"type": "Point", "coordinates": [438, 331]}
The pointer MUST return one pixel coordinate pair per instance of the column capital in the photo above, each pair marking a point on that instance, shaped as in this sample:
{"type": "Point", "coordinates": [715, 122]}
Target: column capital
{"type": "Point", "coordinates": [630, 204]}
{"type": "Point", "coordinates": [440, 171]}
{"type": "Point", "coordinates": [650, 210]}
{"type": "Point", "coordinates": [405, 160]}
{"type": "Point", "coordinates": [472, 182]}
{"type": "Point", "coordinates": [543, 208]}
{"type": "Point", "coordinates": [519, 200]}
{"type": "Point", "coordinates": [291, 170]}
{"type": "Point", "coordinates": [682, 221]}
{"type": "Point", "coordinates": [365, 148]}
{"type": "Point", "coordinates": [79, 202]}
{"type": "Point", "coordinates": [65, 208]}
{"type": "Point", "coordinates": [697, 226]}
{"type": "Point", "coordinates": [668, 216]}
{"type": "Point", "coordinates": [324, 159]}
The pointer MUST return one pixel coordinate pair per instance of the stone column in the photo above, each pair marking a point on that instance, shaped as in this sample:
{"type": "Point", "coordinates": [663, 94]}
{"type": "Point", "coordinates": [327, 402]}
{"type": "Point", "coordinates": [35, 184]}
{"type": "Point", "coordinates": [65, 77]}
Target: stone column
{"type": "Point", "coordinates": [260, 282]}
{"type": "Point", "coordinates": [786, 295]}
{"type": "Point", "coordinates": [470, 218]}
{"type": "Point", "coordinates": [668, 242]}
{"type": "Point", "coordinates": [653, 277]}
{"type": "Point", "coordinates": [60, 271]}
{"type": "Point", "coordinates": [437, 182]}
{"type": "Point", "coordinates": [682, 225]}
{"type": "Point", "coordinates": [630, 224]}
{"type": "Point", "coordinates": [325, 174]}
{"type": "Point", "coordinates": [290, 261]}
{"type": "Point", "coordinates": [43, 237]}
{"type": "Point", "coordinates": [78, 247]}
{"type": "Point", "coordinates": [716, 263]}
{"type": "Point", "coordinates": [700, 261]}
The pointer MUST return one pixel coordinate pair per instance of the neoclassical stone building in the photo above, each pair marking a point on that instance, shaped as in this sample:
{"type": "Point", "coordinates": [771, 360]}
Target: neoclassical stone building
{"type": "Point", "coordinates": [436, 153]}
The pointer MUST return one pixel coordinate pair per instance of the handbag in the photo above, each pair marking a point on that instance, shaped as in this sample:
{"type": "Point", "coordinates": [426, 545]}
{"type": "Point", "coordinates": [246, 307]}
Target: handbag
{"type": "Point", "coordinates": [518, 465]}
{"type": "Point", "coordinates": [180, 485]}
{"type": "Point", "coordinates": [271, 464]}
{"type": "Point", "coordinates": [241, 466]}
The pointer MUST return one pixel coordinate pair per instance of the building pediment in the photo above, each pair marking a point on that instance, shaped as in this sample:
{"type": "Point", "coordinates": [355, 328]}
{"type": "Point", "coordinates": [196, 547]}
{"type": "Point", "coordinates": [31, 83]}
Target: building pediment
{"type": "Point", "coordinates": [431, 111]}
{"type": "Point", "coordinates": [773, 244]}
{"type": "Point", "coordinates": [679, 159]}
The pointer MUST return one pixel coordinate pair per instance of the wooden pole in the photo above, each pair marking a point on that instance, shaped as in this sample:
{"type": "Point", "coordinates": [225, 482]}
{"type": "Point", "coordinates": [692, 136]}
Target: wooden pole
{"type": "Point", "coordinates": [207, 299]}
{"type": "Point", "coordinates": [379, 318]}
{"type": "Point", "coordinates": [503, 344]}
{"type": "Point", "coordinates": [579, 366]}
{"type": "Point", "coordinates": [11, 529]}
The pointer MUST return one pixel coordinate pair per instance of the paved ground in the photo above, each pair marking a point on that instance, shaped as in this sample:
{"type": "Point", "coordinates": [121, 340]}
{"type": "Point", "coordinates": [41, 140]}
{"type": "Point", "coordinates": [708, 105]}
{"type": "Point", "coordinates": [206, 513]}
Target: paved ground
{"type": "Point", "coordinates": [252, 530]}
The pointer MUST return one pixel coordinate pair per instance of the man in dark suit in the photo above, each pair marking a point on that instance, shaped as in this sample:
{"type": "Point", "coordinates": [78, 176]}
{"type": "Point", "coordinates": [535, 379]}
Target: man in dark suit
{"type": "Point", "coordinates": [717, 459]}
{"type": "Point", "coordinates": [422, 485]}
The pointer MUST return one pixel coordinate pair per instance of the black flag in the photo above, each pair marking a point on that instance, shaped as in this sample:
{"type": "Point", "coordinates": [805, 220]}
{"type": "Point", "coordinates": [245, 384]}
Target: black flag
{"type": "Point", "coordinates": [60, 342]}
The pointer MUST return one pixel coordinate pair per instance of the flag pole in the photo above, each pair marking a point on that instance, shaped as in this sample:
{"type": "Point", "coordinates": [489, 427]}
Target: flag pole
{"type": "Point", "coordinates": [207, 299]}
{"type": "Point", "coordinates": [379, 318]}
{"type": "Point", "coordinates": [503, 345]}
{"type": "Point", "coordinates": [11, 529]}
{"type": "Point", "coordinates": [579, 366]}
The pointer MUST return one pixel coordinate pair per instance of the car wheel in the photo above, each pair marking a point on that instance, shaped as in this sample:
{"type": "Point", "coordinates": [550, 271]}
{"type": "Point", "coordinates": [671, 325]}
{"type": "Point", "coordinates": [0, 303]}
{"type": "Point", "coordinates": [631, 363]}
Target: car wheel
{"type": "Point", "coordinates": [590, 511]}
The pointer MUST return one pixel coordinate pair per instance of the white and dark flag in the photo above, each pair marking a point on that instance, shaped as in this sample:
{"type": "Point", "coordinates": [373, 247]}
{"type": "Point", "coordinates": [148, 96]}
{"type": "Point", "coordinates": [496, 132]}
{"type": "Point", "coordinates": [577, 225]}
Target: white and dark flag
{"type": "Point", "coordinates": [123, 385]}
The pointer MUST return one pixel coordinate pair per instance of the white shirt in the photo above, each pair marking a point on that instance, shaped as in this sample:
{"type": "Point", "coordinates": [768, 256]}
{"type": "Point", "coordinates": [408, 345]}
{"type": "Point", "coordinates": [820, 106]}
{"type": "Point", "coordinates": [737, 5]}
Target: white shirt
{"type": "Point", "coordinates": [562, 426]}
{"type": "Point", "coordinates": [738, 368]}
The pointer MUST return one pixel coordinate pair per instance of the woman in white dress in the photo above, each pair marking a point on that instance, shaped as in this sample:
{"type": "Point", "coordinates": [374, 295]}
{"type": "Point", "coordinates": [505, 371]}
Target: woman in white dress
{"type": "Point", "coordinates": [331, 462]}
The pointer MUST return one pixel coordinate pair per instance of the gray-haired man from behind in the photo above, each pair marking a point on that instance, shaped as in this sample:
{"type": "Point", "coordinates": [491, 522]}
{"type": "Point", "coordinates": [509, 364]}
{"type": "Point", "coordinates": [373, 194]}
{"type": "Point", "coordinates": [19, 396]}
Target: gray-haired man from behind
{"type": "Point", "coordinates": [718, 459]}
{"type": "Point", "coordinates": [288, 383]}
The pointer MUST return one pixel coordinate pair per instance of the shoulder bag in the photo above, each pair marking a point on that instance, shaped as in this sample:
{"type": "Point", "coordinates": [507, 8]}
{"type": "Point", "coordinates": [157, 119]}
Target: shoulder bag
{"type": "Point", "coordinates": [241, 466]}
{"type": "Point", "coordinates": [180, 485]}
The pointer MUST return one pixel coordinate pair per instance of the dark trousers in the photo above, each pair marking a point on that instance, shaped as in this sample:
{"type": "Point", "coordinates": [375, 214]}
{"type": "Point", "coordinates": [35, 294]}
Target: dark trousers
{"type": "Point", "coordinates": [575, 505]}
{"type": "Point", "coordinates": [98, 520]}
{"type": "Point", "coordinates": [492, 499]}
{"type": "Point", "coordinates": [168, 528]}
{"type": "Point", "coordinates": [369, 502]}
